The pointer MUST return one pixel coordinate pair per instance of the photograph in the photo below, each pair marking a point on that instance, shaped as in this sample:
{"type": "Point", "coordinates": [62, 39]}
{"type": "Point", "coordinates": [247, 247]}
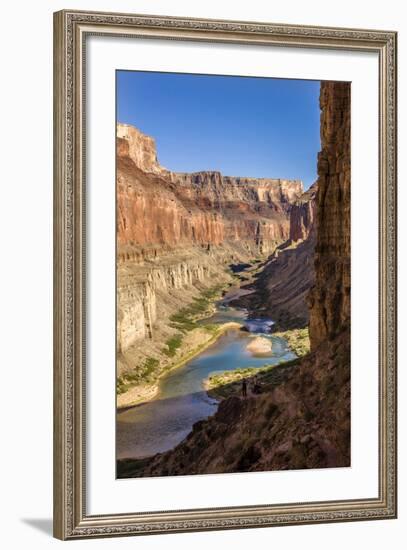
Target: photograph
{"type": "Point", "coordinates": [200, 296]}
{"type": "Point", "coordinates": [233, 288]}
{"type": "Point", "coordinates": [224, 287]}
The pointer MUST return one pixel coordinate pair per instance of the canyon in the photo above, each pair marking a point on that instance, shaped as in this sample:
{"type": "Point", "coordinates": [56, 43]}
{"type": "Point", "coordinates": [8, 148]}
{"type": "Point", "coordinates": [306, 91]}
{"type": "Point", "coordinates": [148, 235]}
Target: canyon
{"type": "Point", "coordinates": [177, 236]}
{"type": "Point", "coordinates": [159, 209]}
{"type": "Point", "coordinates": [301, 418]}
{"type": "Point", "coordinates": [281, 289]}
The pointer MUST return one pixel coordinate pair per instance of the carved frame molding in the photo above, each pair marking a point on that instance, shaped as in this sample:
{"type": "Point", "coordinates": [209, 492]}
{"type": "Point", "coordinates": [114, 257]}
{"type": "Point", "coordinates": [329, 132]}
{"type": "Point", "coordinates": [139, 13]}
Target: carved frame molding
{"type": "Point", "coordinates": [70, 31]}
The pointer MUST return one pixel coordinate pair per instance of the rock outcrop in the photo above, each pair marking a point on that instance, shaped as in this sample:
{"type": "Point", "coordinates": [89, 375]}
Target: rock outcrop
{"type": "Point", "coordinates": [329, 300]}
{"type": "Point", "coordinates": [303, 421]}
{"type": "Point", "coordinates": [302, 215]}
{"type": "Point", "coordinates": [144, 288]}
{"type": "Point", "coordinates": [139, 147]}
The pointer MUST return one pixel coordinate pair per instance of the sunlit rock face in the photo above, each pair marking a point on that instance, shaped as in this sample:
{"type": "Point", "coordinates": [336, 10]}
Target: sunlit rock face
{"type": "Point", "coordinates": [159, 207]}
{"type": "Point", "coordinates": [139, 147]}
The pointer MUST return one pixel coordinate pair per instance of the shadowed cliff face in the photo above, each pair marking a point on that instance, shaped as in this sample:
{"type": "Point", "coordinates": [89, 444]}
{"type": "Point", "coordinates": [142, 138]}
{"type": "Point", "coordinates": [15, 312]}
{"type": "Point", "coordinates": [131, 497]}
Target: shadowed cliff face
{"type": "Point", "coordinates": [282, 287]}
{"type": "Point", "coordinates": [329, 300]}
{"type": "Point", "coordinates": [302, 215]}
{"type": "Point", "coordinates": [304, 420]}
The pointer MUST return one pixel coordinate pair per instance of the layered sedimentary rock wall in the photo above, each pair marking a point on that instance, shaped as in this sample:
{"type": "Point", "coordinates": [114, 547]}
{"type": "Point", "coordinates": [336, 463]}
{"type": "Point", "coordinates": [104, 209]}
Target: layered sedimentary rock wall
{"type": "Point", "coordinates": [159, 207]}
{"type": "Point", "coordinates": [139, 147]}
{"type": "Point", "coordinates": [330, 298]}
{"type": "Point", "coordinates": [178, 231]}
{"type": "Point", "coordinates": [302, 215]}
{"type": "Point", "coordinates": [303, 422]}
{"type": "Point", "coordinates": [282, 287]}
{"type": "Point", "coordinates": [149, 293]}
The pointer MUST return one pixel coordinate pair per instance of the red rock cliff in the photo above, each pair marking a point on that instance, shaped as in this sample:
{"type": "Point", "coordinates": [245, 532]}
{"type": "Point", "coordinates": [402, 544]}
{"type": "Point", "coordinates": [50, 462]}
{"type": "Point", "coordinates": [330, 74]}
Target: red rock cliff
{"type": "Point", "coordinates": [163, 208]}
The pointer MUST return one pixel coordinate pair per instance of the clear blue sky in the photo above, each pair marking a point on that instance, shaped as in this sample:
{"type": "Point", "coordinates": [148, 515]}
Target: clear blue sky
{"type": "Point", "coordinates": [240, 126]}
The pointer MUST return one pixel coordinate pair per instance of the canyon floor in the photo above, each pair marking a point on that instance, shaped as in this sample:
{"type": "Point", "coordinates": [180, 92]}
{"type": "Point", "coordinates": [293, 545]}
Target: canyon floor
{"type": "Point", "coordinates": [182, 395]}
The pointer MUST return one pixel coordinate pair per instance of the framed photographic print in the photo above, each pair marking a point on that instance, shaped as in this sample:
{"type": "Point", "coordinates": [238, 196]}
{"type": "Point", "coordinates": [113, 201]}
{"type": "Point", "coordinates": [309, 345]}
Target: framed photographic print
{"type": "Point", "coordinates": [225, 274]}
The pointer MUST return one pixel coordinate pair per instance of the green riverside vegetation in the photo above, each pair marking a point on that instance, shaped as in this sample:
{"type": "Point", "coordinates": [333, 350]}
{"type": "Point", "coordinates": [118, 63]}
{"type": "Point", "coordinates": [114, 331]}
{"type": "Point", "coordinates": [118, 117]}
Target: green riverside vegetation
{"type": "Point", "coordinates": [185, 320]}
{"type": "Point", "coordinates": [172, 345]}
{"type": "Point", "coordinates": [298, 340]}
{"type": "Point", "coordinates": [224, 384]}
{"type": "Point", "coordinates": [130, 379]}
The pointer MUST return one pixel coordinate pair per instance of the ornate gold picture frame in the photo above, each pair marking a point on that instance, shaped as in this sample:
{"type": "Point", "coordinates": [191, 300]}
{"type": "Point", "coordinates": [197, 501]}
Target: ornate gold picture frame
{"type": "Point", "coordinates": [71, 31]}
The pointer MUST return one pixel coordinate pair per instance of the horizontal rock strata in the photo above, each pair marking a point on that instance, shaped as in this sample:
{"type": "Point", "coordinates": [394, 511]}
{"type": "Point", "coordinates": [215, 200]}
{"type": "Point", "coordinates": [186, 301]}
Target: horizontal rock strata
{"type": "Point", "coordinates": [282, 287]}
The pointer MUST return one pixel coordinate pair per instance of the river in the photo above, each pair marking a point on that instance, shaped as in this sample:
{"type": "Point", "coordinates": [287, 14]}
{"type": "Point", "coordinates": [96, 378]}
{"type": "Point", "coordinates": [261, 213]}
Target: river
{"type": "Point", "coordinates": [160, 424]}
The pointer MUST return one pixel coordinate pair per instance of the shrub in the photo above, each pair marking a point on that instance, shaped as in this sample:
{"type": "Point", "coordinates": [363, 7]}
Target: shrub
{"type": "Point", "coordinates": [172, 345]}
{"type": "Point", "coordinates": [149, 366]}
{"type": "Point", "coordinates": [185, 319]}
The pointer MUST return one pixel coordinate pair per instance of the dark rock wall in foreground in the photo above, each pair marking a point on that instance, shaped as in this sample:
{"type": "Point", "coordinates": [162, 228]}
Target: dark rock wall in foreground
{"type": "Point", "coordinates": [329, 299]}
{"type": "Point", "coordinates": [320, 220]}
